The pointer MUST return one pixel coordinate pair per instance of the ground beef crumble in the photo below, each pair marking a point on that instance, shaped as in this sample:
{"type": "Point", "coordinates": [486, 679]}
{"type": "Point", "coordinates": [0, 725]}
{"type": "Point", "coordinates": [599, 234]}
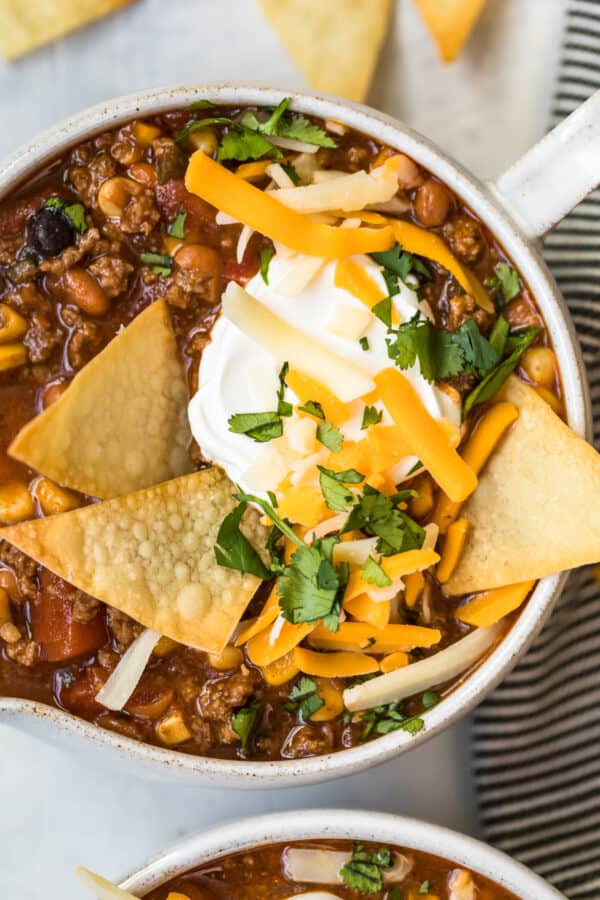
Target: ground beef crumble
{"type": "Point", "coordinates": [24, 569]}
{"type": "Point", "coordinates": [123, 629]}
{"type": "Point", "coordinates": [113, 274]}
{"type": "Point", "coordinates": [464, 237]}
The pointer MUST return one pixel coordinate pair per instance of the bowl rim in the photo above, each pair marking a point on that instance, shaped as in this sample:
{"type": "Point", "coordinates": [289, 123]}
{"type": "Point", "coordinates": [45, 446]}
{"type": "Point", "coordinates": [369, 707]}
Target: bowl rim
{"type": "Point", "coordinates": [387, 828]}
{"type": "Point", "coordinates": [486, 204]}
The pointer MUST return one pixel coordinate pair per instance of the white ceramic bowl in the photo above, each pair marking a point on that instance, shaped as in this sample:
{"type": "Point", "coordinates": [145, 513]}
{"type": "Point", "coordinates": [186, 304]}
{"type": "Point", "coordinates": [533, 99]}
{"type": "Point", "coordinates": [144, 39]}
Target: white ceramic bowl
{"type": "Point", "coordinates": [539, 198]}
{"type": "Point", "coordinates": [340, 824]}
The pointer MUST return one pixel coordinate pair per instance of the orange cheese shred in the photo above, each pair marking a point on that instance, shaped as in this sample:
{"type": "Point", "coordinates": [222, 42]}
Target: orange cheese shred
{"type": "Point", "coordinates": [366, 610]}
{"type": "Point", "coordinates": [422, 434]}
{"type": "Point", "coordinates": [486, 436]}
{"type": "Point", "coordinates": [251, 206]}
{"type": "Point", "coordinates": [360, 636]}
{"type": "Point", "coordinates": [413, 588]}
{"type": "Point", "coordinates": [394, 661]}
{"type": "Point", "coordinates": [334, 665]}
{"type": "Point", "coordinates": [352, 277]}
{"type": "Point", "coordinates": [395, 567]}
{"type": "Point", "coordinates": [302, 505]}
{"type": "Point", "coordinates": [490, 606]}
{"type": "Point", "coordinates": [265, 648]}
{"type": "Point", "coordinates": [250, 171]}
{"type": "Point", "coordinates": [281, 670]}
{"type": "Point", "coordinates": [306, 388]}
{"type": "Point", "coordinates": [453, 547]}
{"type": "Point", "coordinates": [428, 244]}
{"type": "Point", "coordinates": [267, 616]}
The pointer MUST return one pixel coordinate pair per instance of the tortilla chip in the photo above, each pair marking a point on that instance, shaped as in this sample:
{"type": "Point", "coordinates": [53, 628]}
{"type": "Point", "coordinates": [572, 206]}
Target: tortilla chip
{"type": "Point", "coordinates": [536, 510]}
{"type": "Point", "coordinates": [27, 24]}
{"type": "Point", "coordinates": [121, 425]}
{"type": "Point", "coordinates": [450, 23]}
{"type": "Point", "coordinates": [151, 555]}
{"type": "Point", "coordinates": [334, 44]}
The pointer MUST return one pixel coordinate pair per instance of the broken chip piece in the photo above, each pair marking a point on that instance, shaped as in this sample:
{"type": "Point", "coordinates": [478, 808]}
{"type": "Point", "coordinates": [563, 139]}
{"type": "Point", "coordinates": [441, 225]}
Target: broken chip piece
{"type": "Point", "coordinates": [121, 425]}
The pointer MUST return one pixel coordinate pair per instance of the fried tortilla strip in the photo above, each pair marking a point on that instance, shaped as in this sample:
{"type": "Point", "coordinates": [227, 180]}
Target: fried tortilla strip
{"type": "Point", "coordinates": [450, 23]}
{"type": "Point", "coordinates": [121, 425]}
{"type": "Point", "coordinates": [151, 555]}
{"type": "Point", "coordinates": [24, 26]}
{"type": "Point", "coordinates": [536, 510]}
{"type": "Point", "coordinates": [334, 44]}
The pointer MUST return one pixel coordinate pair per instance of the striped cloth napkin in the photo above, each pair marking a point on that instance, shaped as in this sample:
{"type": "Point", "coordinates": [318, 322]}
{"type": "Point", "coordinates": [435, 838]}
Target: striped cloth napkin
{"type": "Point", "coordinates": [537, 738]}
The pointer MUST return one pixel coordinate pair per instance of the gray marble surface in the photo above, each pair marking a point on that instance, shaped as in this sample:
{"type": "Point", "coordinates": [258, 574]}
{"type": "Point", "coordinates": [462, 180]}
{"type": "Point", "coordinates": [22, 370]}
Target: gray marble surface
{"type": "Point", "coordinates": [57, 810]}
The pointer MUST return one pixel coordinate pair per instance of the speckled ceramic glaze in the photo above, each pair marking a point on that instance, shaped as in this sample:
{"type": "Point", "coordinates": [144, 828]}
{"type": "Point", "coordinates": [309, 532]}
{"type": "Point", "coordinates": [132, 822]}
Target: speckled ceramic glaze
{"type": "Point", "coordinates": [529, 189]}
{"type": "Point", "coordinates": [340, 824]}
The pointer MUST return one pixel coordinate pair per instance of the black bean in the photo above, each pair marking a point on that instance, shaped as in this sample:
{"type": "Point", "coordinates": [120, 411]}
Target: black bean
{"type": "Point", "coordinates": [49, 232]}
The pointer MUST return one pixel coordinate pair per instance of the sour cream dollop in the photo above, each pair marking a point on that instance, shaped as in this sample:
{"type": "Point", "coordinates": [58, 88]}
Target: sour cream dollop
{"type": "Point", "coordinates": [236, 375]}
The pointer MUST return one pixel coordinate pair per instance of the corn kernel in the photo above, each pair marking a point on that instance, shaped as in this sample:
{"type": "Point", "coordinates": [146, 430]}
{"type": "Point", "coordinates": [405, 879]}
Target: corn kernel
{"type": "Point", "coordinates": [145, 133]}
{"type": "Point", "coordinates": [230, 658]}
{"type": "Point", "coordinates": [423, 504]}
{"type": "Point", "coordinates": [16, 503]}
{"type": "Point", "coordinates": [12, 325]}
{"type": "Point", "coordinates": [550, 398]}
{"type": "Point", "coordinates": [12, 356]}
{"type": "Point", "coordinates": [5, 613]}
{"type": "Point", "coordinates": [171, 729]}
{"type": "Point", "coordinates": [204, 139]}
{"type": "Point", "coordinates": [55, 499]}
{"type": "Point", "coordinates": [165, 646]}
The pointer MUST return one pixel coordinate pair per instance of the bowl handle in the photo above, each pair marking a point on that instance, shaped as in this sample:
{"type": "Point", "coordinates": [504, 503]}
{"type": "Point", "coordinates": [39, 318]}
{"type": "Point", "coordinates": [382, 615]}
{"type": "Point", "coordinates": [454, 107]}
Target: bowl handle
{"type": "Point", "coordinates": [550, 179]}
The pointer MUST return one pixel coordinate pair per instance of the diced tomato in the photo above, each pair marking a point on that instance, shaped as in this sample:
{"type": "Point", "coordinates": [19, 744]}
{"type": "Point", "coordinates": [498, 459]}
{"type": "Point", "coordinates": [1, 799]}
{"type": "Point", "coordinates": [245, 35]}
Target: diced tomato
{"type": "Point", "coordinates": [151, 698]}
{"type": "Point", "coordinates": [52, 625]}
{"type": "Point", "coordinates": [80, 696]}
{"type": "Point", "coordinates": [173, 194]}
{"type": "Point", "coordinates": [242, 271]}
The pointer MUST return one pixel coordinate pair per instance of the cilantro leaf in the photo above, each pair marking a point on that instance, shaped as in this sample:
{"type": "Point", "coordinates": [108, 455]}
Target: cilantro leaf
{"type": "Point", "coordinates": [479, 355]}
{"type": "Point", "coordinates": [283, 407]}
{"type": "Point", "coordinates": [196, 124]}
{"type": "Point", "coordinates": [499, 334]}
{"type": "Point", "coordinates": [201, 104]}
{"type": "Point", "coordinates": [233, 550]}
{"type": "Point", "coordinates": [364, 343]}
{"type": "Point", "coordinates": [364, 871]}
{"type": "Point", "coordinates": [391, 717]}
{"type": "Point", "coordinates": [441, 354]}
{"type": "Point", "coordinates": [330, 436]}
{"type": "Point", "coordinates": [424, 887]}
{"type": "Point", "coordinates": [504, 283]}
{"type": "Point", "coordinates": [261, 427]}
{"type": "Point", "coordinates": [265, 255]}
{"type": "Point", "coordinates": [282, 123]}
{"type": "Point", "coordinates": [337, 495]}
{"type": "Point", "coordinates": [494, 380]}
{"type": "Point", "coordinates": [241, 144]}
{"type": "Point", "coordinates": [372, 573]}
{"type": "Point", "coordinates": [244, 723]}
{"type": "Point", "coordinates": [399, 264]}
{"type": "Point", "coordinates": [348, 476]}
{"type": "Point", "coordinates": [375, 514]}
{"type": "Point", "coordinates": [291, 173]}
{"type": "Point", "coordinates": [371, 416]}
{"type": "Point", "coordinates": [383, 311]}
{"type": "Point", "coordinates": [429, 699]}
{"type": "Point", "coordinates": [309, 584]}
{"type": "Point", "coordinates": [313, 409]}
{"type": "Point", "coordinates": [159, 263]}
{"type": "Point", "coordinates": [304, 699]}
{"type": "Point", "coordinates": [177, 227]}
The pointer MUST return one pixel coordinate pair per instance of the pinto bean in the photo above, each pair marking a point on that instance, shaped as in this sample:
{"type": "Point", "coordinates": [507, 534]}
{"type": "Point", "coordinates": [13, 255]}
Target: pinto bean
{"type": "Point", "coordinates": [432, 204]}
{"type": "Point", "coordinates": [78, 287]}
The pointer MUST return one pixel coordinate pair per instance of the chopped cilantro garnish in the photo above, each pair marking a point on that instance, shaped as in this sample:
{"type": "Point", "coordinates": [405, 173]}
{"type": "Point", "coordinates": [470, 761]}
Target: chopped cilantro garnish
{"type": "Point", "coordinates": [398, 263]}
{"type": "Point", "coordinates": [504, 284]}
{"type": "Point", "coordinates": [313, 409]}
{"type": "Point", "coordinates": [372, 573]}
{"type": "Point", "coordinates": [304, 699]}
{"type": "Point", "coordinates": [337, 495]}
{"type": "Point", "coordinates": [371, 416]}
{"type": "Point", "coordinates": [498, 335]}
{"type": "Point", "coordinates": [290, 171]}
{"type": "Point", "coordinates": [260, 427]}
{"type": "Point", "coordinates": [424, 887]}
{"type": "Point", "coordinates": [516, 343]}
{"type": "Point", "coordinates": [241, 144]}
{"type": "Point", "coordinates": [330, 436]}
{"type": "Point", "coordinates": [364, 872]}
{"type": "Point", "coordinates": [201, 104]}
{"type": "Point", "coordinates": [383, 311]}
{"type": "Point", "coordinates": [283, 407]}
{"type": "Point", "coordinates": [196, 124]}
{"type": "Point", "coordinates": [177, 227]}
{"type": "Point", "coordinates": [265, 255]}
{"type": "Point", "coordinates": [75, 212]}
{"type": "Point", "coordinates": [233, 550]}
{"type": "Point", "coordinates": [282, 123]}
{"type": "Point", "coordinates": [364, 343]}
{"type": "Point", "coordinates": [384, 719]}
{"type": "Point", "coordinates": [160, 263]}
{"type": "Point", "coordinates": [244, 723]}
{"type": "Point", "coordinates": [429, 699]}
{"type": "Point", "coordinates": [376, 515]}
